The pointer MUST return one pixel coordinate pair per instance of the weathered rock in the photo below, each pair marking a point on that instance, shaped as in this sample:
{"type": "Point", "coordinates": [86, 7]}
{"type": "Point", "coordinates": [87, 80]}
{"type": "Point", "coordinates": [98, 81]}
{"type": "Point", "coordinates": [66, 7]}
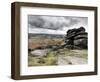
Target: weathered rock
{"type": "Point", "coordinates": [39, 52]}
{"type": "Point", "coordinates": [76, 38]}
{"type": "Point", "coordinates": [82, 43]}
{"type": "Point", "coordinates": [80, 36]}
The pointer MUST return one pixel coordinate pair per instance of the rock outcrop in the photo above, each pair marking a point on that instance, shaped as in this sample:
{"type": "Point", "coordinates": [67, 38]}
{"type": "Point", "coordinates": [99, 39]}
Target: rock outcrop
{"type": "Point", "coordinates": [77, 38]}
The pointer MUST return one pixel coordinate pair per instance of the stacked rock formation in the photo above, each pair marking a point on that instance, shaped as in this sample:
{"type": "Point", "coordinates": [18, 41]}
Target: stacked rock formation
{"type": "Point", "coordinates": [77, 38]}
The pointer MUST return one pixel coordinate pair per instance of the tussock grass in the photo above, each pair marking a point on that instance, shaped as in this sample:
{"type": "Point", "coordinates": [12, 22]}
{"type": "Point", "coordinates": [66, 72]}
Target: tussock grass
{"type": "Point", "coordinates": [50, 59]}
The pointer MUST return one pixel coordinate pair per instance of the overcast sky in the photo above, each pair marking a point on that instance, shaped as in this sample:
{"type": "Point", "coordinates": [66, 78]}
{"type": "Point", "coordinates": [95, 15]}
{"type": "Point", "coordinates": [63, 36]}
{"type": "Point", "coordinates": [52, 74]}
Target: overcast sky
{"type": "Point", "coordinates": [55, 24]}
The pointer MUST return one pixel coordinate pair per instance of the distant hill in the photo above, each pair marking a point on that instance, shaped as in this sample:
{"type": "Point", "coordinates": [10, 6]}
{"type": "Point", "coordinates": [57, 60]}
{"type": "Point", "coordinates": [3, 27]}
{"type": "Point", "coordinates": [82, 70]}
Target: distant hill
{"type": "Point", "coordinates": [30, 35]}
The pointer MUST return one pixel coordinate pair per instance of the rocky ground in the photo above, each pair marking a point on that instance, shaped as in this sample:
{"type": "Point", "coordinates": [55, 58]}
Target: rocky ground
{"type": "Point", "coordinates": [73, 57]}
{"type": "Point", "coordinates": [61, 57]}
{"type": "Point", "coordinates": [71, 60]}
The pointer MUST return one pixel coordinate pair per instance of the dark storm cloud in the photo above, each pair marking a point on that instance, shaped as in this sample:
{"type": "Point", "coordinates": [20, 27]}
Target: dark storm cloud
{"type": "Point", "coordinates": [54, 22]}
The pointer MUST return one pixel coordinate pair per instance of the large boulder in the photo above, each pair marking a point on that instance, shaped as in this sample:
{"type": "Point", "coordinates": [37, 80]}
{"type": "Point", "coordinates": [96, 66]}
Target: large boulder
{"type": "Point", "coordinates": [39, 52]}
